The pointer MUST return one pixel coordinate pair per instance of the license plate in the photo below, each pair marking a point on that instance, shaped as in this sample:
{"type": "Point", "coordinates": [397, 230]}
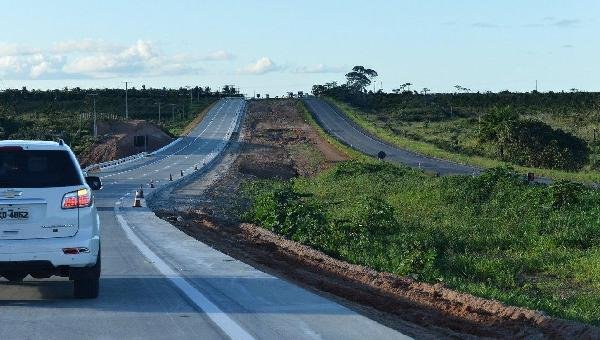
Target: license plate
{"type": "Point", "coordinates": [18, 214]}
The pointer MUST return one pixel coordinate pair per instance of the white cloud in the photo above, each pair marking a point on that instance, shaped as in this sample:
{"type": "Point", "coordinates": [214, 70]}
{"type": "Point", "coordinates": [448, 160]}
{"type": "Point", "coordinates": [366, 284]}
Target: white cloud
{"type": "Point", "coordinates": [481, 24]}
{"type": "Point", "coordinates": [134, 59]}
{"type": "Point", "coordinates": [566, 22]}
{"type": "Point", "coordinates": [320, 68]}
{"type": "Point", "coordinates": [261, 66]}
{"type": "Point", "coordinates": [84, 46]}
{"type": "Point", "coordinates": [219, 55]}
{"type": "Point", "coordinates": [16, 50]}
{"type": "Point", "coordinates": [30, 66]}
{"type": "Point", "coordinates": [92, 59]}
{"type": "Point", "coordinates": [556, 22]}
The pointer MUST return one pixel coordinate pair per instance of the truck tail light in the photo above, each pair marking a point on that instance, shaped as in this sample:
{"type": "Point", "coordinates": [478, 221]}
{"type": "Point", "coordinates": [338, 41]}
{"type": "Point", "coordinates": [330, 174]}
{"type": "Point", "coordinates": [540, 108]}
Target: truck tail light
{"type": "Point", "coordinates": [77, 199]}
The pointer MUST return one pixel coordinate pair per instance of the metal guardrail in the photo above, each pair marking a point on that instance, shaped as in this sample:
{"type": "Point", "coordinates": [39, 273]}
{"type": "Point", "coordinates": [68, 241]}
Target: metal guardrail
{"type": "Point", "coordinates": [115, 162]}
{"type": "Point", "coordinates": [210, 156]}
{"type": "Point", "coordinates": [166, 146]}
{"type": "Point", "coordinates": [106, 165]}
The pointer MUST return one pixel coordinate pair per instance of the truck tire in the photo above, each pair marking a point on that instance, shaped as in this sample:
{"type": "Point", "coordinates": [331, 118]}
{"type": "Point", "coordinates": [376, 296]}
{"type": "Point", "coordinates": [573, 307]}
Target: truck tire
{"type": "Point", "coordinates": [88, 287]}
{"type": "Point", "coordinates": [15, 277]}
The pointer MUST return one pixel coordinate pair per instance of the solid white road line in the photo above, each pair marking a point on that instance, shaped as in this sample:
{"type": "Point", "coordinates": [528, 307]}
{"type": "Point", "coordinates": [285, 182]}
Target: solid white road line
{"type": "Point", "coordinates": [220, 318]}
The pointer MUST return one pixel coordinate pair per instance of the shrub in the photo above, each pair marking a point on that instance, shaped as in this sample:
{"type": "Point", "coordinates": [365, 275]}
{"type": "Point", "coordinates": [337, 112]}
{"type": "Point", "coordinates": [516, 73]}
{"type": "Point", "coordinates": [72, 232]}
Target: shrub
{"type": "Point", "coordinates": [565, 193]}
{"type": "Point", "coordinates": [536, 144]}
{"type": "Point", "coordinates": [279, 208]}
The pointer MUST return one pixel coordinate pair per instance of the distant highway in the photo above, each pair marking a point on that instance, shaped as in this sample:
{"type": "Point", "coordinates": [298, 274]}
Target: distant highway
{"type": "Point", "coordinates": [339, 126]}
{"type": "Point", "coordinates": [159, 283]}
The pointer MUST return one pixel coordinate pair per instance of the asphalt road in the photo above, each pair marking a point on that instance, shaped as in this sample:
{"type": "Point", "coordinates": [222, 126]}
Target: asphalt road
{"type": "Point", "coordinates": [158, 283]}
{"type": "Point", "coordinates": [339, 126]}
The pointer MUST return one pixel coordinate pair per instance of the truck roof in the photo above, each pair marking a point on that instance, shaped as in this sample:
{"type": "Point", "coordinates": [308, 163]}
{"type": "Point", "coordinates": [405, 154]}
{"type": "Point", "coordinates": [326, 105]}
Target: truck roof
{"type": "Point", "coordinates": [34, 144]}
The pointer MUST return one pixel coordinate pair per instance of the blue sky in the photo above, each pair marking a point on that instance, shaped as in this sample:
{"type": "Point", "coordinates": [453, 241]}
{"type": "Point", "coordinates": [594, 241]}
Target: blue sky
{"type": "Point", "coordinates": [276, 46]}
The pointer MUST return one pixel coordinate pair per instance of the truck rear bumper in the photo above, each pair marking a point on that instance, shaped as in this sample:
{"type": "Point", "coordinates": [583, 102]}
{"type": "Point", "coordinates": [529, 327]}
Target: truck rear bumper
{"type": "Point", "coordinates": [51, 251]}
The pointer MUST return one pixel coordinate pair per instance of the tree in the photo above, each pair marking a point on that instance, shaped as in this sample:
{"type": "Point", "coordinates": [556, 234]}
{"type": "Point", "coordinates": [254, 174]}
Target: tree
{"type": "Point", "coordinates": [537, 144]}
{"type": "Point", "coordinates": [360, 78]}
{"type": "Point", "coordinates": [425, 90]}
{"type": "Point", "coordinates": [319, 90]}
{"type": "Point", "coordinates": [496, 126]}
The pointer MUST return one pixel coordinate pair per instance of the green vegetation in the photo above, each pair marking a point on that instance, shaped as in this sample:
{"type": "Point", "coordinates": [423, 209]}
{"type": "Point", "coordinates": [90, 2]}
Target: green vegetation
{"type": "Point", "coordinates": [457, 139]}
{"type": "Point", "coordinates": [494, 236]}
{"type": "Point", "coordinates": [178, 126]}
{"type": "Point", "coordinates": [66, 114]}
{"type": "Point", "coordinates": [551, 134]}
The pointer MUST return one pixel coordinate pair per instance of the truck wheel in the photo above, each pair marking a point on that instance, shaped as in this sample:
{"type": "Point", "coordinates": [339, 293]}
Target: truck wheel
{"type": "Point", "coordinates": [15, 277]}
{"type": "Point", "coordinates": [88, 287]}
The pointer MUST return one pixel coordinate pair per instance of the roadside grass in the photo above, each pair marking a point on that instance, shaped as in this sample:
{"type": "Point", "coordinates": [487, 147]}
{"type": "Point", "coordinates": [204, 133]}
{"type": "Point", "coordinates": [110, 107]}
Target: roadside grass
{"type": "Point", "coordinates": [182, 125]}
{"type": "Point", "coordinates": [436, 139]}
{"type": "Point", "coordinates": [494, 236]}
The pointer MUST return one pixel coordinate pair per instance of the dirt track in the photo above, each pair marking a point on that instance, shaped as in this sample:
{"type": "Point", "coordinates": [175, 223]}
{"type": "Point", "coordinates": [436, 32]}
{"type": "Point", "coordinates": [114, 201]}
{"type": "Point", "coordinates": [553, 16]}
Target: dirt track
{"type": "Point", "coordinates": [276, 142]}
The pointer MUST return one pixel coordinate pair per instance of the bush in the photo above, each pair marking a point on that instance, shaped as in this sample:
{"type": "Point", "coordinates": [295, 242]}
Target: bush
{"type": "Point", "coordinates": [536, 144]}
{"type": "Point", "coordinates": [279, 208]}
{"type": "Point", "coordinates": [480, 188]}
{"type": "Point", "coordinates": [565, 193]}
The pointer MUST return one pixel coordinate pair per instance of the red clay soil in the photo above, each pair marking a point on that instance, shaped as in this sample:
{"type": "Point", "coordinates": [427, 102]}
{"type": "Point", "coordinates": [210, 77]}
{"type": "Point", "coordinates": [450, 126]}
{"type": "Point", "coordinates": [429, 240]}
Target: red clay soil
{"type": "Point", "coordinates": [116, 140]}
{"type": "Point", "coordinates": [271, 133]}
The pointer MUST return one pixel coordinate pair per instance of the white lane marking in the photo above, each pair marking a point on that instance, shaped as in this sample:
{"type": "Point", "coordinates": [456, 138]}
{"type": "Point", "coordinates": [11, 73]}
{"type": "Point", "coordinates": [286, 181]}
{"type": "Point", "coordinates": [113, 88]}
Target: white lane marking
{"type": "Point", "coordinates": [220, 318]}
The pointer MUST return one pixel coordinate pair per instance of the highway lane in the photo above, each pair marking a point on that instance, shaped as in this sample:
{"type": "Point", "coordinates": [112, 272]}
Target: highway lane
{"type": "Point", "coordinates": [159, 283]}
{"type": "Point", "coordinates": [136, 300]}
{"type": "Point", "coordinates": [339, 126]}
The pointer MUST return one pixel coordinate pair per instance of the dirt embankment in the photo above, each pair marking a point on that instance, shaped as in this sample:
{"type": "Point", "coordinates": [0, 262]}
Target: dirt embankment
{"type": "Point", "coordinates": [116, 140]}
{"type": "Point", "coordinates": [279, 143]}
{"type": "Point", "coordinates": [276, 142]}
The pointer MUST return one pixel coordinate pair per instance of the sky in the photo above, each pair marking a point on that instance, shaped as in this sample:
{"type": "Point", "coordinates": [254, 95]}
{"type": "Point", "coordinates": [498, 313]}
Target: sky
{"type": "Point", "coordinates": [273, 46]}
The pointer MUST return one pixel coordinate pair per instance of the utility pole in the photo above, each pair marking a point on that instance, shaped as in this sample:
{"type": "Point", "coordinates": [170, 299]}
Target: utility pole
{"type": "Point", "coordinates": [158, 112]}
{"type": "Point", "coordinates": [126, 107]}
{"type": "Point", "coordinates": [536, 89]}
{"type": "Point", "coordinates": [173, 112]}
{"type": "Point", "coordinates": [191, 92]}
{"type": "Point", "coordinates": [95, 126]}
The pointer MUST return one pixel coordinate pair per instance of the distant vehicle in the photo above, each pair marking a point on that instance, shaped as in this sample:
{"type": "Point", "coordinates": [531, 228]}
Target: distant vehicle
{"type": "Point", "coordinates": [49, 225]}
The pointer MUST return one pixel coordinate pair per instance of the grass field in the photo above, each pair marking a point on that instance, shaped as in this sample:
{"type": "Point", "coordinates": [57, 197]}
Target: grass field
{"type": "Point", "coordinates": [456, 140]}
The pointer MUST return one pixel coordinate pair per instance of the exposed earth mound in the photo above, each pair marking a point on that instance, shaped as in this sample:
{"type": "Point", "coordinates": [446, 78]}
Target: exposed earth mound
{"type": "Point", "coordinates": [116, 140]}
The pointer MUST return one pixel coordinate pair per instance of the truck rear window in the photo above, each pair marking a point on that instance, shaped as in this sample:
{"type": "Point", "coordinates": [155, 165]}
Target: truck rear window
{"type": "Point", "coordinates": [37, 169]}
